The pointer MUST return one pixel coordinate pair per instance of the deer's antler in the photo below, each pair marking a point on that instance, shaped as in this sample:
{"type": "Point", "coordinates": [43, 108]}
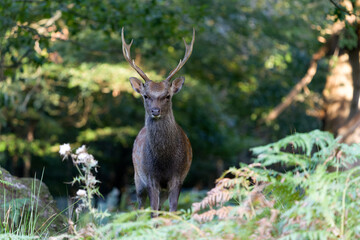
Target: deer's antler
{"type": "Point", "coordinates": [126, 52]}
{"type": "Point", "coordinates": [188, 51]}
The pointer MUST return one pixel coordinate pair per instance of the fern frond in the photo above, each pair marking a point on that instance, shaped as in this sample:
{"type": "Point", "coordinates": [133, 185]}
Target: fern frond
{"type": "Point", "coordinates": [300, 142]}
{"type": "Point", "coordinates": [306, 150]}
{"type": "Point", "coordinates": [308, 234]}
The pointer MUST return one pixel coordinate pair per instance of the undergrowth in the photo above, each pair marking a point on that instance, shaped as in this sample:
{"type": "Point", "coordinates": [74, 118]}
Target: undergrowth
{"type": "Point", "coordinates": [314, 198]}
{"type": "Point", "coordinates": [301, 187]}
{"type": "Point", "coordinates": [20, 217]}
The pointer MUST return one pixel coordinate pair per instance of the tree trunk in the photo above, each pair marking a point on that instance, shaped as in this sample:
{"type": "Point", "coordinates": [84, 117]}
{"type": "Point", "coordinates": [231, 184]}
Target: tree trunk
{"type": "Point", "coordinates": [337, 94]}
{"type": "Point", "coordinates": [14, 164]}
{"type": "Point", "coordinates": [355, 65]}
{"type": "Point", "coordinates": [341, 94]}
{"type": "Point", "coordinates": [27, 155]}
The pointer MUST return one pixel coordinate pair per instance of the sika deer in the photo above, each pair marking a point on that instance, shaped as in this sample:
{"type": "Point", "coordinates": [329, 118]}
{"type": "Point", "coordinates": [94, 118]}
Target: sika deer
{"type": "Point", "coordinates": [162, 152]}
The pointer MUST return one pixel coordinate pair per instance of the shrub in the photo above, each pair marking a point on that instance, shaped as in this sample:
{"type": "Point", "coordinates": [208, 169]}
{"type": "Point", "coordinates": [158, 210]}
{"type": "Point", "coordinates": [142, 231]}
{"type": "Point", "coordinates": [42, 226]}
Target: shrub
{"type": "Point", "coordinates": [312, 195]}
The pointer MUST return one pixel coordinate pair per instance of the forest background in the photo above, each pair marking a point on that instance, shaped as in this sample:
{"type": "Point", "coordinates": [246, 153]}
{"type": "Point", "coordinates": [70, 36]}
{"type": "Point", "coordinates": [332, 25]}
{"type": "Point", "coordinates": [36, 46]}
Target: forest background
{"type": "Point", "coordinates": [260, 70]}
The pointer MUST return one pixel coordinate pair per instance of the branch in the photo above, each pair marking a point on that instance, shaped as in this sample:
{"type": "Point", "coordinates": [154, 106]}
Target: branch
{"type": "Point", "coordinates": [19, 62]}
{"type": "Point", "coordinates": [29, 94]}
{"type": "Point", "coordinates": [341, 8]}
{"type": "Point", "coordinates": [299, 86]}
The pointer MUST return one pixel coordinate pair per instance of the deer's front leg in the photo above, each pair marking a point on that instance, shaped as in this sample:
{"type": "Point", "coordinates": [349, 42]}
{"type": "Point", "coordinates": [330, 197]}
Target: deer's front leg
{"type": "Point", "coordinates": [174, 193]}
{"type": "Point", "coordinates": [154, 196]}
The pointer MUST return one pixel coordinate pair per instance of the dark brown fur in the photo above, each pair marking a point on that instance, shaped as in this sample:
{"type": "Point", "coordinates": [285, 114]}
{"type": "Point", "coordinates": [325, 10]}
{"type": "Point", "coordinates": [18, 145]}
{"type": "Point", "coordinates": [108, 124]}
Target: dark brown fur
{"type": "Point", "coordinates": [162, 152]}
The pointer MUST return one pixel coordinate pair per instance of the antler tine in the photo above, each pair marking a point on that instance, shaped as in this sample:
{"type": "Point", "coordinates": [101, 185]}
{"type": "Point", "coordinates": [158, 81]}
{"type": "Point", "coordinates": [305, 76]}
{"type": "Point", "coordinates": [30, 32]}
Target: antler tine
{"type": "Point", "coordinates": [127, 56]}
{"type": "Point", "coordinates": [188, 51]}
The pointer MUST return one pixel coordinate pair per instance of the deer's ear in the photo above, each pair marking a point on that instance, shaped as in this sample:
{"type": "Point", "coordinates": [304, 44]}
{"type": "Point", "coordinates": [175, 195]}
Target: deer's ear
{"type": "Point", "coordinates": [137, 85]}
{"type": "Point", "coordinates": [177, 84]}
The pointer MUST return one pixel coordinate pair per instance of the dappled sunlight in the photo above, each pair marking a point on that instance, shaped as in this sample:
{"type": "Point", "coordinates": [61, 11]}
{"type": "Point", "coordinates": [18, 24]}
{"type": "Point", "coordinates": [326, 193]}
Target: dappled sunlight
{"type": "Point", "coordinates": [338, 93]}
{"type": "Point", "coordinates": [341, 87]}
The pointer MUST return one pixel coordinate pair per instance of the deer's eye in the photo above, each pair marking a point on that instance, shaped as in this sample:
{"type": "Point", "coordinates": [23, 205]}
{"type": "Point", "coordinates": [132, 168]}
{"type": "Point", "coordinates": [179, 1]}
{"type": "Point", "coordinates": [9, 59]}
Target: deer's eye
{"type": "Point", "coordinates": [147, 98]}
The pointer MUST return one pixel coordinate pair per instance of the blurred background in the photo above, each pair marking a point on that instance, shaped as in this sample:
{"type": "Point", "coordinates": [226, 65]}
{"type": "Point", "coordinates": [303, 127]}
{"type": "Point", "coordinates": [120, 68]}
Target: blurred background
{"type": "Point", "coordinates": [260, 70]}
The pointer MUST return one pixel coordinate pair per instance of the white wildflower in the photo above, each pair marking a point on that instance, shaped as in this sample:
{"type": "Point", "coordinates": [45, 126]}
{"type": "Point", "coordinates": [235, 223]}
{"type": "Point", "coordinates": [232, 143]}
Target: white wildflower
{"type": "Point", "coordinates": [81, 149]}
{"type": "Point", "coordinates": [85, 163]}
{"type": "Point", "coordinates": [91, 180]}
{"type": "Point", "coordinates": [87, 159]}
{"type": "Point", "coordinates": [84, 157]}
{"type": "Point", "coordinates": [79, 208]}
{"type": "Point", "coordinates": [81, 193]}
{"type": "Point", "coordinates": [65, 149]}
{"type": "Point", "coordinates": [92, 163]}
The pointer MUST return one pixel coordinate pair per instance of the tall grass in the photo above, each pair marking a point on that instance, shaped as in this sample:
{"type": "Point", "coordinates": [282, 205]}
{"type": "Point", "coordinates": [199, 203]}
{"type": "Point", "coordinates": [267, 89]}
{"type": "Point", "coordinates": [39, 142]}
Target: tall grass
{"type": "Point", "coordinates": [20, 216]}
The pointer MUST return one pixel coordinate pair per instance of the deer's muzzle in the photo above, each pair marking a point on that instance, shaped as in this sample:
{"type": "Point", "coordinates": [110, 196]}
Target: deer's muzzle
{"type": "Point", "coordinates": [155, 112]}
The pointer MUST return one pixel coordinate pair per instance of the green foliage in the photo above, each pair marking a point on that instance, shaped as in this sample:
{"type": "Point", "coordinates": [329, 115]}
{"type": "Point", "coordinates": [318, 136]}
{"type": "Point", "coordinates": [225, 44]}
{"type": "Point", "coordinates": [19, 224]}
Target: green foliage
{"type": "Point", "coordinates": [305, 203]}
{"type": "Point", "coordinates": [306, 151]}
{"type": "Point", "coordinates": [321, 199]}
{"type": "Point", "coordinates": [21, 217]}
{"type": "Point", "coordinates": [62, 78]}
{"type": "Point", "coordinates": [349, 38]}
{"type": "Point", "coordinates": [253, 202]}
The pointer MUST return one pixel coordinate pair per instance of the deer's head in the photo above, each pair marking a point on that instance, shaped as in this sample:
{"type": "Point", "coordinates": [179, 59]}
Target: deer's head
{"type": "Point", "coordinates": [157, 95]}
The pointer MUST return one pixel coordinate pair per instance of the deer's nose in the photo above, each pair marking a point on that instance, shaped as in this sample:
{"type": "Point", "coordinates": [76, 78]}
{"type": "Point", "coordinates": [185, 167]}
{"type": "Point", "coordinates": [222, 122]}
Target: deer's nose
{"type": "Point", "coordinates": [155, 111]}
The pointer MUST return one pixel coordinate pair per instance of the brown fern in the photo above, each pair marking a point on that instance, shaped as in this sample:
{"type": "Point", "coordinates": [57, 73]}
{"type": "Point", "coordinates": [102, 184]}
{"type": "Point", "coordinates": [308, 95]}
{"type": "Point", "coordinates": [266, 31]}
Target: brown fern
{"type": "Point", "coordinates": [228, 188]}
{"type": "Point", "coordinates": [265, 227]}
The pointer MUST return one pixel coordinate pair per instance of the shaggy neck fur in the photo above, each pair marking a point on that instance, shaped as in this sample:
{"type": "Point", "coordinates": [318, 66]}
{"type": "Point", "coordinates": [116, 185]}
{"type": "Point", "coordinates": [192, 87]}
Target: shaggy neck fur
{"type": "Point", "coordinates": [161, 133]}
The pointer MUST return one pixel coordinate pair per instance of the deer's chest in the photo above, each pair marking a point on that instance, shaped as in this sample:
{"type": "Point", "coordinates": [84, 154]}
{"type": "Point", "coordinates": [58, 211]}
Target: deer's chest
{"type": "Point", "coordinates": [164, 158]}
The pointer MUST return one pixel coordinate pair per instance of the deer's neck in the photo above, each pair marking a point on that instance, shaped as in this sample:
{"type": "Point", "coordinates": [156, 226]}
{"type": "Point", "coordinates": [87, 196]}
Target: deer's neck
{"type": "Point", "coordinates": [161, 132]}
